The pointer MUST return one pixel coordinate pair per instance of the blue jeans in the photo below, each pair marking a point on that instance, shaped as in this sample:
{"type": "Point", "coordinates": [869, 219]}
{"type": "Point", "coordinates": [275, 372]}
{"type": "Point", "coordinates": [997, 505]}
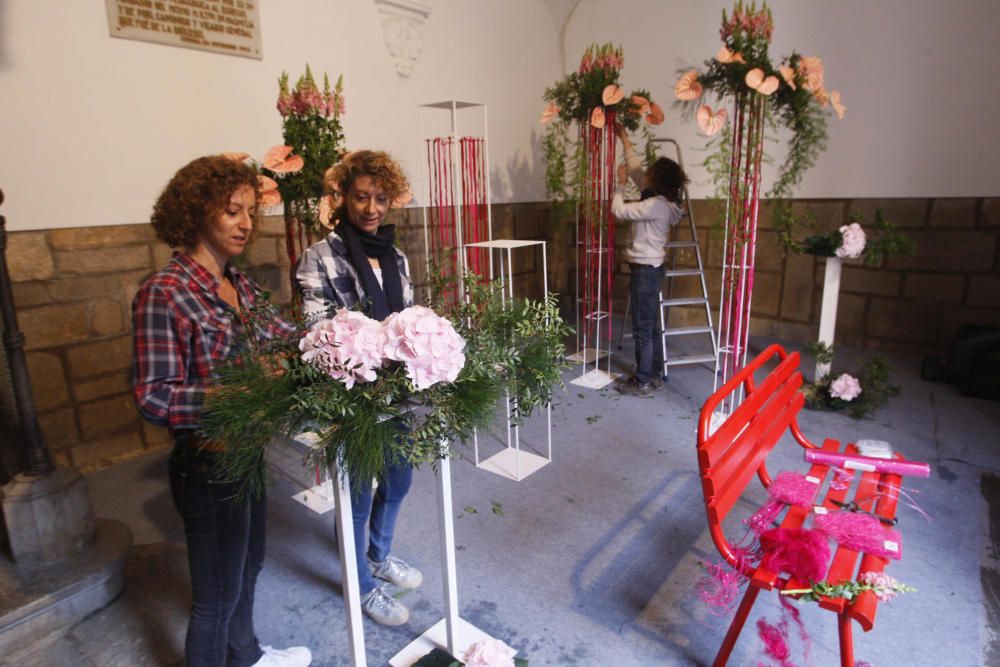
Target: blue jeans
{"type": "Point", "coordinates": [379, 515]}
{"type": "Point", "coordinates": [644, 290]}
{"type": "Point", "coordinates": [225, 543]}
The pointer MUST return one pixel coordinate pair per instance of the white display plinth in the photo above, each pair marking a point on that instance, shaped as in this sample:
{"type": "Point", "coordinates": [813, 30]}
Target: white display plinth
{"type": "Point", "coordinates": [595, 379]}
{"type": "Point", "coordinates": [319, 498]}
{"type": "Point", "coordinates": [828, 311]}
{"type": "Point", "coordinates": [513, 462]}
{"type": "Point", "coordinates": [452, 633]}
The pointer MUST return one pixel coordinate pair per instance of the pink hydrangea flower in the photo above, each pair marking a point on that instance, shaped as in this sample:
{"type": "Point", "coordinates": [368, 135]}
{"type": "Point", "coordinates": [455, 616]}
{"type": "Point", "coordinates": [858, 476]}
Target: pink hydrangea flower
{"type": "Point", "coordinates": [489, 653]}
{"type": "Point", "coordinates": [348, 347]}
{"type": "Point", "coordinates": [426, 343]}
{"type": "Point", "coordinates": [846, 388]}
{"type": "Point", "coordinates": [854, 240]}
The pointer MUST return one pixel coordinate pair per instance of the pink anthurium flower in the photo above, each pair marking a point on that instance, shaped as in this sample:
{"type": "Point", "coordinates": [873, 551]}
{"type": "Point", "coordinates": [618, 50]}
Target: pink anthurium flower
{"type": "Point", "coordinates": [551, 111]}
{"type": "Point", "coordinates": [402, 199]}
{"type": "Point", "coordinates": [642, 103]}
{"type": "Point", "coordinates": [597, 117]}
{"type": "Point", "coordinates": [235, 156]}
{"type": "Point", "coordinates": [687, 87]}
{"type": "Point", "coordinates": [612, 94]}
{"type": "Point", "coordinates": [710, 122]}
{"type": "Point", "coordinates": [325, 210]}
{"type": "Point", "coordinates": [788, 74]}
{"type": "Point", "coordinates": [725, 56]}
{"type": "Point", "coordinates": [811, 69]}
{"type": "Point", "coordinates": [655, 115]}
{"type": "Point", "coordinates": [280, 160]}
{"type": "Point", "coordinates": [838, 108]}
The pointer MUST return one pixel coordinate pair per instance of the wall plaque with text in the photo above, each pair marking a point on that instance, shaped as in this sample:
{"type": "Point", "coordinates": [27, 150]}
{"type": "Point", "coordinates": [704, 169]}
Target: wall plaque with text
{"type": "Point", "coordinates": [222, 26]}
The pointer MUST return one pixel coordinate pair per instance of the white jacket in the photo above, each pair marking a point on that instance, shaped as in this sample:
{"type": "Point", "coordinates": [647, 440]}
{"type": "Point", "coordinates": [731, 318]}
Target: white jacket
{"type": "Point", "coordinates": [651, 221]}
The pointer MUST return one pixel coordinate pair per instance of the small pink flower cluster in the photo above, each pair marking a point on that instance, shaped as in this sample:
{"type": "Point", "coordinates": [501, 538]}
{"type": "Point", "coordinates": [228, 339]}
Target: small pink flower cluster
{"type": "Point", "coordinates": [427, 343]}
{"type": "Point", "coordinates": [756, 24]}
{"type": "Point", "coordinates": [884, 586]}
{"type": "Point", "coordinates": [853, 243]}
{"type": "Point", "coordinates": [846, 387]}
{"type": "Point", "coordinates": [306, 98]}
{"type": "Point", "coordinates": [489, 653]}
{"type": "Point", "coordinates": [347, 347]}
{"type": "Point", "coordinates": [351, 347]}
{"type": "Point", "coordinates": [605, 57]}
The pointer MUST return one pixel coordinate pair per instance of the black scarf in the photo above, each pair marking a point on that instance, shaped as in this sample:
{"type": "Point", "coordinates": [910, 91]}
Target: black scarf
{"type": "Point", "coordinates": [387, 298]}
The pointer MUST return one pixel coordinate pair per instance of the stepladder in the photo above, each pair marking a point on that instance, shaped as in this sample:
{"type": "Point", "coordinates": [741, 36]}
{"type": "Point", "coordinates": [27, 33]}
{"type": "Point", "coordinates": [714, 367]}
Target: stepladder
{"type": "Point", "coordinates": [687, 335]}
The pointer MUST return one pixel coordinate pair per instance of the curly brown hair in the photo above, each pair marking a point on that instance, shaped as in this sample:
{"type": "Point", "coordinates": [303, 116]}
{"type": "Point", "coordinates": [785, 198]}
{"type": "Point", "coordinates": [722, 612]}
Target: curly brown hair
{"type": "Point", "coordinates": [385, 171]}
{"type": "Point", "coordinates": [198, 192]}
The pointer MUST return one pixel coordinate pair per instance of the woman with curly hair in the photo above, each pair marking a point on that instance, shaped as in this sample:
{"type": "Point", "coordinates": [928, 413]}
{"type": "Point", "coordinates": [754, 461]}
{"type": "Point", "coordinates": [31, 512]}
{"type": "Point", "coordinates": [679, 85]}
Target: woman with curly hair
{"type": "Point", "coordinates": [186, 322]}
{"type": "Point", "coordinates": [358, 265]}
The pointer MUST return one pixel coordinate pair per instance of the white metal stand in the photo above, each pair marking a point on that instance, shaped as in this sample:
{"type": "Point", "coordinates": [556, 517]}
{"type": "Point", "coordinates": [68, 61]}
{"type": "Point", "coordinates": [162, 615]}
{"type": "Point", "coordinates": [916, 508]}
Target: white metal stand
{"type": "Point", "coordinates": [452, 633]}
{"type": "Point", "coordinates": [513, 462]}
{"type": "Point", "coordinates": [319, 498]}
{"type": "Point", "coordinates": [828, 311]}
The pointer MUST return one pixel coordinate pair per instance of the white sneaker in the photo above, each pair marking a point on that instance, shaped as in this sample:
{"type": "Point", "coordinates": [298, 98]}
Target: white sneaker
{"type": "Point", "coordinates": [293, 656]}
{"type": "Point", "coordinates": [396, 571]}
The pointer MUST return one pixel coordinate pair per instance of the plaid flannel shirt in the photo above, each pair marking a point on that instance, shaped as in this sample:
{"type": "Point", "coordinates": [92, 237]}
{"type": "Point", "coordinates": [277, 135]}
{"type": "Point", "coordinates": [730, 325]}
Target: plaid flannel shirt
{"type": "Point", "coordinates": [182, 330]}
{"type": "Point", "coordinates": [328, 281]}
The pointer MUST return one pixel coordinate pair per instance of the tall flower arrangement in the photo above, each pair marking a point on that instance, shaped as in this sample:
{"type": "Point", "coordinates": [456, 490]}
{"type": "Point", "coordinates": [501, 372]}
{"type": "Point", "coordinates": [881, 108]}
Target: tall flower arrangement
{"type": "Point", "coordinates": [750, 95]}
{"type": "Point", "coordinates": [311, 128]}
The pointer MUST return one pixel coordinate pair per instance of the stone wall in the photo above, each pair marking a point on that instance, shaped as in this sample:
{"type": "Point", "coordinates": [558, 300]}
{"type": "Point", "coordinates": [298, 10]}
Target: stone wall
{"type": "Point", "coordinates": [73, 289]}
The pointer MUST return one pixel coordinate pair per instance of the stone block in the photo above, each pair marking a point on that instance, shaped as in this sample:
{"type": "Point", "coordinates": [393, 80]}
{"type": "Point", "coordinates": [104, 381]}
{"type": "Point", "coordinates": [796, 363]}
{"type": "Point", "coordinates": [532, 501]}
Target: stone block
{"type": "Point", "coordinates": [59, 428]}
{"type": "Point", "coordinates": [766, 293]}
{"type": "Point", "coordinates": [850, 315]}
{"type": "Point", "coordinates": [108, 385]}
{"type": "Point", "coordinates": [83, 288]}
{"type": "Point", "coordinates": [48, 380]}
{"type": "Point", "coordinates": [503, 221]}
{"type": "Point", "coordinates": [29, 257]}
{"type": "Point", "coordinates": [760, 326]}
{"type": "Point", "coordinates": [708, 213]}
{"type": "Point", "coordinates": [58, 324]}
{"type": "Point", "coordinates": [770, 256]}
{"type": "Point", "coordinates": [130, 282]}
{"type": "Point", "coordinates": [904, 321]}
{"type": "Point", "coordinates": [937, 287]}
{"type": "Point", "coordinates": [795, 332]}
{"type": "Point", "coordinates": [88, 238]}
{"type": "Point", "coordinates": [905, 213]}
{"type": "Point", "coordinates": [954, 318]}
{"type": "Point", "coordinates": [155, 436]}
{"type": "Point", "coordinates": [106, 416]}
{"type": "Point", "coordinates": [30, 294]}
{"type": "Point", "coordinates": [990, 213]}
{"type": "Point", "coordinates": [955, 251]}
{"type": "Point", "coordinates": [92, 359]}
{"type": "Point", "coordinates": [262, 251]}
{"type": "Point", "coordinates": [530, 220]}
{"type": "Point", "coordinates": [984, 291]}
{"type": "Point", "coordinates": [106, 318]}
{"type": "Point", "coordinates": [798, 288]}
{"type": "Point", "coordinates": [104, 260]}
{"type": "Point", "coordinates": [825, 215]}
{"type": "Point", "coordinates": [869, 281]}
{"type": "Point", "coordinates": [953, 212]}
{"type": "Point", "coordinates": [102, 451]}
{"type": "Point", "coordinates": [271, 225]}
{"type": "Point", "coordinates": [162, 254]}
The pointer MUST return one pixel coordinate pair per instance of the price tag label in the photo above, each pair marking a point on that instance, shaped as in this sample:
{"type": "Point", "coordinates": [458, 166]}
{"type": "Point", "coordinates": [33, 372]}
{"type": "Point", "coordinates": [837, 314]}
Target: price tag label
{"type": "Point", "coordinates": [891, 546]}
{"type": "Point", "coordinates": [859, 465]}
{"type": "Point", "coordinates": [819, 509]}
{"type": "Point", "coordinates": [814, 480]}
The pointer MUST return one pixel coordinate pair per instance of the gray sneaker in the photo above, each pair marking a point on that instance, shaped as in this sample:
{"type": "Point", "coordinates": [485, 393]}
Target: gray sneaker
{"type": "Point", "coordinates": [397, 572]}
{"type": "Point", "coordinates": [384, 609]}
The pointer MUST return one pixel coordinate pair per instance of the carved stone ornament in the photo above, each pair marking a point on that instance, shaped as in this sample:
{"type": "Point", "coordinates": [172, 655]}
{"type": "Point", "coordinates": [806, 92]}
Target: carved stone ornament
{"type": "Point", "coordinates": [401, 25]}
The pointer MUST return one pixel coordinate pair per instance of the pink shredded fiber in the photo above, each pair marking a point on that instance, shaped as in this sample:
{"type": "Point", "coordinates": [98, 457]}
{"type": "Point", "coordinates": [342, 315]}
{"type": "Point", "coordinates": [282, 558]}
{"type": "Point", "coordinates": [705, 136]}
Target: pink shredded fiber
{"type": "Point", "coordinates": [788, 488]}
{"type": "Point", "coordinates": [861, 532]}
{"type": "Point", "coordinates": [802, 553]}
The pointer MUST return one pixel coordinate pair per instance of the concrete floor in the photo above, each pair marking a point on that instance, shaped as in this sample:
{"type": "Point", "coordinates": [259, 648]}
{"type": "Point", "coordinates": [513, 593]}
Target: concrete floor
{"type": "Point", "coordinates": [593, 559]}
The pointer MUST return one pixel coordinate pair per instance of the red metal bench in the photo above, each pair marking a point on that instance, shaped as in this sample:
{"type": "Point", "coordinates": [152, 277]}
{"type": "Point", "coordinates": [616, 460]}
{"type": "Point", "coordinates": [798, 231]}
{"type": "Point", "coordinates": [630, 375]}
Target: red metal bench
{"type": "Point", "coordinates": [728, 459]}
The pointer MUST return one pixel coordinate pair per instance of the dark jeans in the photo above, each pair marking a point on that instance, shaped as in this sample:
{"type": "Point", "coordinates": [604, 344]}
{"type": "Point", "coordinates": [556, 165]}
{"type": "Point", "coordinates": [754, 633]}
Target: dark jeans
{"type": "Point", "coordinates": [378, 514]}
{"type": "Point", "coordinates": [644, 290]}
{"type": "Point", "coordinates": [225, 541]}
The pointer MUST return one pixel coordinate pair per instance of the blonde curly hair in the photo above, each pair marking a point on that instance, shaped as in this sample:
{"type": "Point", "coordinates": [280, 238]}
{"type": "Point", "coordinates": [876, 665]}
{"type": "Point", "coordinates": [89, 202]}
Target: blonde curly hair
{"type": "Point", "coordinates": [385, 171]}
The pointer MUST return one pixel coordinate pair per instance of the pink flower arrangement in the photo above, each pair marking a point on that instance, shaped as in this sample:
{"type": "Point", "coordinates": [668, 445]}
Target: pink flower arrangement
{"type": "Point", "coordinates": [884, 586]}
{"type": "Point", "coordinates": [347, 347]}
{"type": "Point", "coordinates": [604, 57]}
{"type": "Point", "coordinates": [754, 24]}
{"type": "Point", "coordinates": [846, 387]}
{"type": "Point", "coordinates": [489, 653]}
{"type": "Point", "coordinates": [426, 343]}
{"type": "Point", "coordinates": [853, 243]}
{"type": "Point", "coordinates": [352, 347]}
{"type": "Point", "coordinates": [306, 98]}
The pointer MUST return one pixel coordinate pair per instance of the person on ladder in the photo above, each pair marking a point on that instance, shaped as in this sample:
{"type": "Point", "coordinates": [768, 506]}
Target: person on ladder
{"type": "Point", "coordinates": [651, 218]}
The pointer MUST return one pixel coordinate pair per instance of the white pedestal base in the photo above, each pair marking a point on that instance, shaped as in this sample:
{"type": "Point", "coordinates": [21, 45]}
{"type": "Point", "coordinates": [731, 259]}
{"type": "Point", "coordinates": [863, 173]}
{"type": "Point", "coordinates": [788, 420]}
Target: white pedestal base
{"type": "Point", "coordinates": [587, 355]}
{"type": "Point", "coordinates": [515, 464]}
{"type": "Point", "coordinates": [595, 379]}
{"type": "Point", "coordinates": [466, 634]}
{"type": "Point", "coordinates": [319, 499]}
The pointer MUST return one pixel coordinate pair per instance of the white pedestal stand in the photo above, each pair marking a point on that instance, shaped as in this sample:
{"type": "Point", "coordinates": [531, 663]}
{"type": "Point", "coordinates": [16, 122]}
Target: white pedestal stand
{"type": "Point", "coordinates": [319, 498]}
{"type": "Point", "coordinates": [512, 462]}
{"type": "Point", "coordinates": [452, 633]}
{"type": "Point", "coordinates": [828, 311]}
